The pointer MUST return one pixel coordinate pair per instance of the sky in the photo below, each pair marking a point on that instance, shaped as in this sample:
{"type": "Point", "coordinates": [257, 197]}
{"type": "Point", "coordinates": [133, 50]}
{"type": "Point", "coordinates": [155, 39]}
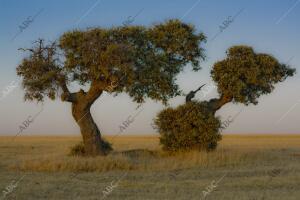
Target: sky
{"type": "Point", "coordinates": [269, 26]}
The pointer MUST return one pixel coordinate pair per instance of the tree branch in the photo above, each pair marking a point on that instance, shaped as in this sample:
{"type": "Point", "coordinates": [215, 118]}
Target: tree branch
{"type": "Point", "coordinates": [66, 95]}
{"type": "Point", "coordinates": [96, 89]}
{"type": "Point", "coordinates": [216, 103]}
{"type": "Point", "coordinates": [192, 94]}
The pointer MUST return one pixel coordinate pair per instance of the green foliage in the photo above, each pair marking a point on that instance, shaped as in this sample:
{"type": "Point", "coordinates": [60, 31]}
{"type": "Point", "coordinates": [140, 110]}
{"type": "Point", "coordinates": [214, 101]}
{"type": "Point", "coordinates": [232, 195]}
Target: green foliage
{"type": "Point", "coordinates": [143, 61]}
{"type": "Point", "coordinates": [188, 127]}
{"type": "Point", "coordinates": [245, 75]}
{"type": "Point", "coordinates": [41, 72]}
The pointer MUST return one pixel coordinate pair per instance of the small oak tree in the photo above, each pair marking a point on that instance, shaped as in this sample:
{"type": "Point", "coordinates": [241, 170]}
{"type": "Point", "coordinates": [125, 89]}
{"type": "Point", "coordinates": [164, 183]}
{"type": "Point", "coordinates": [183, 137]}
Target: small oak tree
{"type": "Point", "coordinates": [141, 61]}
{"type": "Point", "coordinates": [242, 77]}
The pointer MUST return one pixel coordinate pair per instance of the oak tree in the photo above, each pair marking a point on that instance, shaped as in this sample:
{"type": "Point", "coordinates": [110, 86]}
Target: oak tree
{"type": "Point", "coordinates": [142, 61]}
{"type": "Point", "coordinates": [242, 77]}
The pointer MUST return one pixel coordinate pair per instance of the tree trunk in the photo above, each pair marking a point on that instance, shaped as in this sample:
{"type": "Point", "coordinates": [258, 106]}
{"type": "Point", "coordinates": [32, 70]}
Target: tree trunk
{"type": "Point", "coordinates": [93, 143]}
{"type": "Point", "coordinates": [81, 106]}
{"type": "Point", "coordinates": [217, 103]}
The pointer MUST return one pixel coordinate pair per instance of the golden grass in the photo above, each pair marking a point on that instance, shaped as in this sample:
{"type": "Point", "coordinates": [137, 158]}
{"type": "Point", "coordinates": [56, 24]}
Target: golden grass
{"type": "Point", "coordinates": [49, 154]}
{"type": "Point", "coordinates": [148, 173]}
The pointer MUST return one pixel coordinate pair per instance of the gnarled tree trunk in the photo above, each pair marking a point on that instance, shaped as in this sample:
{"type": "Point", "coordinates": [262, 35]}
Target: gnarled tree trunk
{"type": "Point", "coordinates": [81, 105]}
{"type": "Point", "coordinates": [93, 143]}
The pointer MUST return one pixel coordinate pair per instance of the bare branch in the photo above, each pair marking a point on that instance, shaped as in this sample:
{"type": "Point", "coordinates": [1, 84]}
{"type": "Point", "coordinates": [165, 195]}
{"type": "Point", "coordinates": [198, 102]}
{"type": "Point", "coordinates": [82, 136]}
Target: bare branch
{"type": "Point", "coordinates": [192, 94]}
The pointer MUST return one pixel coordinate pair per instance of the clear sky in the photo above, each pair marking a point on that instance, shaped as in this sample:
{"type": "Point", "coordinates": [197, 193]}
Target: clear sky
{"type": "Point", "coordinates": [270, 26]}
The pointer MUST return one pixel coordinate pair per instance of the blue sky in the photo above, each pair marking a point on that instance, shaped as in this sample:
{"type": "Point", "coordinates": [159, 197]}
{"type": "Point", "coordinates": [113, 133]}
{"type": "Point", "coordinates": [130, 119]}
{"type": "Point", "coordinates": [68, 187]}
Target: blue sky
{"type": "Point", "coordinates": [270, 26]}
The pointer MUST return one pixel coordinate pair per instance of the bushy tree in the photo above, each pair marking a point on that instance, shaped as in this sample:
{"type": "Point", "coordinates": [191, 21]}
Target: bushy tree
{"type": "Point", "coordinates": [140, 61]}
{"type": "Point", "coordinates": [189, 126]}
{"type": "Point", "coordinates": [242, 77]}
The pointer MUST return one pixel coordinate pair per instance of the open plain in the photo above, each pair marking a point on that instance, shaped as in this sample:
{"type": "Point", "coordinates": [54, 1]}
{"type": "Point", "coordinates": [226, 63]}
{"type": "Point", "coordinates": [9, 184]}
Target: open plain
{"type": "Point", "coordinates": [243, 167]}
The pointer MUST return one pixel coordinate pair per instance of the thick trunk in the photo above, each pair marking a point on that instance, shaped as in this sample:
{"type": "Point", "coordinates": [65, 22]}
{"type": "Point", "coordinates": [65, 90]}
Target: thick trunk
{"type": "Point", "coordinates": [81, 105]}
{"type": "Point", "coordinates": [93, 143]}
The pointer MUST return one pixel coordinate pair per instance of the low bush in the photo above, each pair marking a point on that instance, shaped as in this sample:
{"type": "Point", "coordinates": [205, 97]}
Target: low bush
{"type": "Point", "coordinates": [77, 150]}
{"type": "Point", "coordinates": [190, 126]}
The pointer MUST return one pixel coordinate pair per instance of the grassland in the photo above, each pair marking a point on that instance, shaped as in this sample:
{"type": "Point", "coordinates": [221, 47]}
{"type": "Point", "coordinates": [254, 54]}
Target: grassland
{"type": "Point", "coordinates": [243, 167]}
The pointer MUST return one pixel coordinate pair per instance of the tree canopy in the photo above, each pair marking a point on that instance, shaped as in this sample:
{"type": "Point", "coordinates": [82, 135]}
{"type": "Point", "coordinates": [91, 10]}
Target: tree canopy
{"type": "Point", "coordinates": [142, 60]}
{"type": "Point", "coordinates": [244, 75]}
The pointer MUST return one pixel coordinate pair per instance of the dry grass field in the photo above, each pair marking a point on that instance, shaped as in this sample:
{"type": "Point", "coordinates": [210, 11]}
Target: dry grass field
{"type": "Point", "coordinates": [242, 168]}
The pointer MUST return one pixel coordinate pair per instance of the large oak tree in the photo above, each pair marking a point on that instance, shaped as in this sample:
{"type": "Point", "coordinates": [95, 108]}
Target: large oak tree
{"type": "Point", "coordinates": [141, 61]}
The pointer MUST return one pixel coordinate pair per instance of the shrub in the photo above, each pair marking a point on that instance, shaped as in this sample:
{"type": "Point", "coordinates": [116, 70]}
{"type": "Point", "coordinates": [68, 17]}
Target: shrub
{"type": "Point", "coordinates": [190, 126]}
{"type": "Point", "coordinates": [106, 146]}
{"type": "Point", "coordinates": [77, 150]}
